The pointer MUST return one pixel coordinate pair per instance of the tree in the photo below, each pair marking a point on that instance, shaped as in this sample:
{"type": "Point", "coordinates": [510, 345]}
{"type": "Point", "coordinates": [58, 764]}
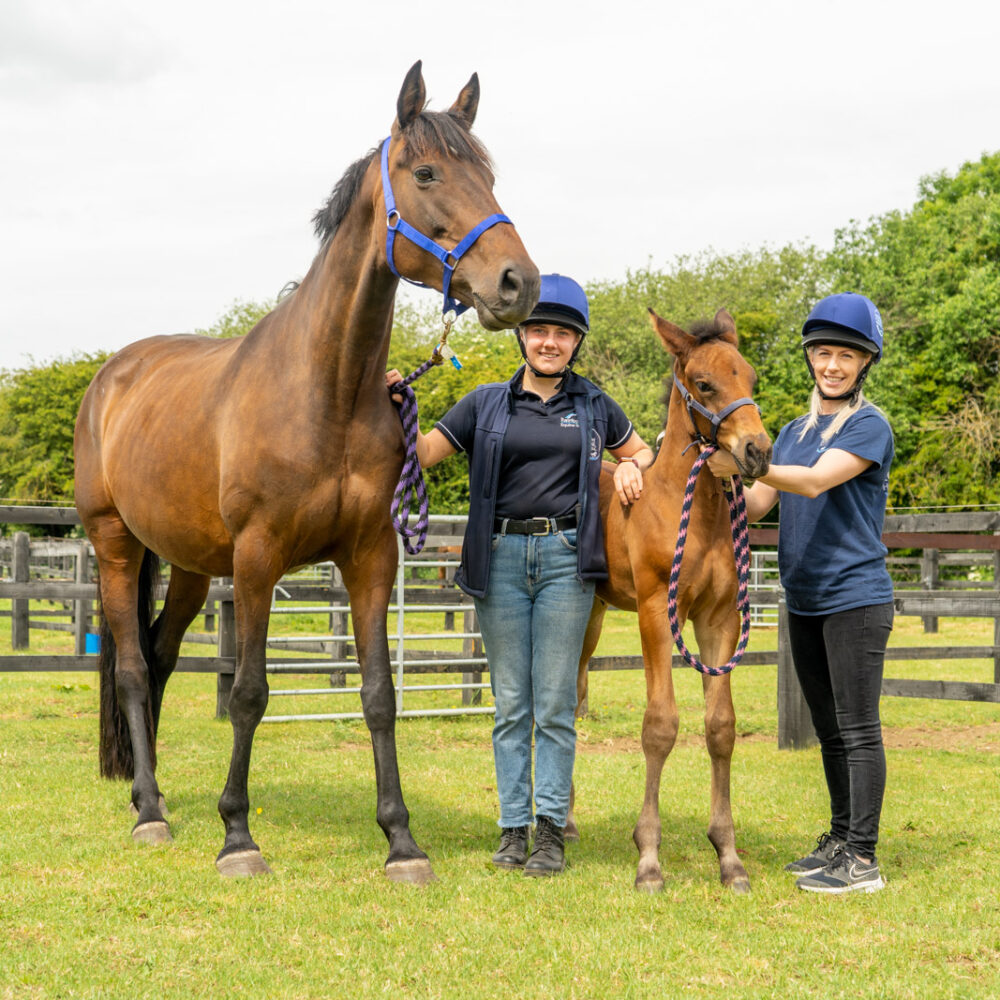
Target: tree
{"type": "Point", "coordinates": [38, 408]}
{"type": "Point", "coordinates": [935, 274]}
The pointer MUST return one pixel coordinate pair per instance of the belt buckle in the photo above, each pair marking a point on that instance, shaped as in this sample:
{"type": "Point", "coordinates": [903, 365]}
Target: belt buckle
{"type": "Point", "coordinates": [548, 526]}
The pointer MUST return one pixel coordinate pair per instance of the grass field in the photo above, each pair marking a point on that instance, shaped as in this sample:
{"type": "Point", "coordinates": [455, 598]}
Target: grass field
{"type": "Point", "coordinates": [84, 913]}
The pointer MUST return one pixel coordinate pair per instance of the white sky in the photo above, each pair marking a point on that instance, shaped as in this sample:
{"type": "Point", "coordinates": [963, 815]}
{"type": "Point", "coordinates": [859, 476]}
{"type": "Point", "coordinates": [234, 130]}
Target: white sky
{"type": "Point", "coordinates": [159, 162]}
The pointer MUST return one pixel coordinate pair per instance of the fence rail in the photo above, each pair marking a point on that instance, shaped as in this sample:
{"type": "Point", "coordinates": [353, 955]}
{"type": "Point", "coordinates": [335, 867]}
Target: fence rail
{"type": "Point", "coordinates": [944, 542]}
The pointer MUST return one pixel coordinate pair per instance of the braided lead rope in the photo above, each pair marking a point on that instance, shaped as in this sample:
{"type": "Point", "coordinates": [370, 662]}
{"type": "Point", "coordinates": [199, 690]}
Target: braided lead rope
{"type": "Point", "coordinates": [411, 489]}
{"type": "Point", "coordinates": [741, 552]}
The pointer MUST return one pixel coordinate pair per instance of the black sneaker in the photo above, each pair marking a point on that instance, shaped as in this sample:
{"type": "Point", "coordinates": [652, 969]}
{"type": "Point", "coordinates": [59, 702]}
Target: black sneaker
{"type": "Point", "coordinates": [846, 873]}
{"type": "Point", "coordinates": [827, 845]}
{"type": "Point", "coordinates": [513, 849]}
{"type": "Point", "coordinates": [548, 856]}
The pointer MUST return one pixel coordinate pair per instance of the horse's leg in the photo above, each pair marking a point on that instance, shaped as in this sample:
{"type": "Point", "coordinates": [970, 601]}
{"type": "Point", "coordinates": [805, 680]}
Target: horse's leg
{"type": "Point", "coordinates": [716, 644]}
{"type": "Point", "coordinates": [590, 639]}
{"type": "Point", "coordinates": [369, 585]}
{"type": "Point", "coordinates": [120, 558]}
{"type": "Point", "coordinates": [185, 598]}
{"type": "Point", "coordinates": [254, 576]}
{"type": "Point", "coordinates": [659, 733]}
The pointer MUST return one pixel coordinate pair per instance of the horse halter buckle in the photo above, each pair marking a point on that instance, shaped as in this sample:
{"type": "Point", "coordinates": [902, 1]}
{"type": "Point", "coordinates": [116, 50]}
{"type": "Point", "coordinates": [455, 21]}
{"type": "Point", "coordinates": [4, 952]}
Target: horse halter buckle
{"type": "Point", "coordinates": [395, 223]}
{"type": "Point", "coordinates": [714, 419]}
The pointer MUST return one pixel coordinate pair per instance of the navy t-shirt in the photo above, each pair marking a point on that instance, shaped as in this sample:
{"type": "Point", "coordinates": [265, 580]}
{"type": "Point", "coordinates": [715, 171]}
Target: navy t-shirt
{"type": "Point", "coordinates": [830, 552]}
{"type": "Point", "coordinates": [540, 462]}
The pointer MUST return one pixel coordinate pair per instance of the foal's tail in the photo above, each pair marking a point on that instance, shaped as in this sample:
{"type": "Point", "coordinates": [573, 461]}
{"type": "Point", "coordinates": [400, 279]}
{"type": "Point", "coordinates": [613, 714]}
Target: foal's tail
{"type": "Point", "coordinates": [115, 743]}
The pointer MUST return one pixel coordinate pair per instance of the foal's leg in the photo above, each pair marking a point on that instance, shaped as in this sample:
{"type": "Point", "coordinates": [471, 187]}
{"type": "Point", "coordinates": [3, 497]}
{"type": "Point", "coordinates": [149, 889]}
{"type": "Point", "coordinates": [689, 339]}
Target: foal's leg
{"type": "Point", "coordinates": [590, 640]}
{"type": "Point", "coordinates": [368, 576]}
{"type": "Point", "coordinates": [119, 555]}
{"type": "Point", "coordinates": [254, 575]}
{"type": "Point", "coordinates": [716, 643]}
{"type": "Point", "coordinates": [659, 733]}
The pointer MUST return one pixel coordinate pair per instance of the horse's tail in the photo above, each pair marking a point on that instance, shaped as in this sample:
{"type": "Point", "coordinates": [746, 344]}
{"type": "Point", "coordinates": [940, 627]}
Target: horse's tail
{"type": "Point", "coordinates": [115, 743]}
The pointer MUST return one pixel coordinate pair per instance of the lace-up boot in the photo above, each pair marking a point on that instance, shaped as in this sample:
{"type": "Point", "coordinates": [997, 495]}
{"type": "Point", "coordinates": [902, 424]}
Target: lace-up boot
{"type": "Point", "coordinates": [513, 849]}
{"type": "Point", "coordinates": [548, 856]}
{"type": "Point", "coordinates": [827, 845]}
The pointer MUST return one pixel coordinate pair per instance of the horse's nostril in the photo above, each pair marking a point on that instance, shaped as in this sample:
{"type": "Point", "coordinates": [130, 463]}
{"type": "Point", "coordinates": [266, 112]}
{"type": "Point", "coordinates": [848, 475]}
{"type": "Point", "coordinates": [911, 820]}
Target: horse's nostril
{"type": "Point", "coordinates": [511, 284]}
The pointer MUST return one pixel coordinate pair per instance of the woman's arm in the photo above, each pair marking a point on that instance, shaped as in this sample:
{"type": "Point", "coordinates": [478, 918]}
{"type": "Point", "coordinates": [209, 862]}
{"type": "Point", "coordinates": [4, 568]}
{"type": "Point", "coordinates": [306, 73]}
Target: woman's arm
{"type": "Point", "coordinates": [432, 446]}
{"type": "Point", "coordinates": [633, 456]}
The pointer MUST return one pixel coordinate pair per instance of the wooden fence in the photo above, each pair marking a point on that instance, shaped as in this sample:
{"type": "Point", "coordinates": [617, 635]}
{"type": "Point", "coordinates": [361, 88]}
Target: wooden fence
{"type": "Point", "coordinates": [943, 541]}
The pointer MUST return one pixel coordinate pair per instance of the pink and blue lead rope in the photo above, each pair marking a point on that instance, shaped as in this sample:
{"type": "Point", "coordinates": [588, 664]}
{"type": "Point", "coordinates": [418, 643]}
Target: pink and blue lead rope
{"type": "Point", "coordinates": [741, 552]}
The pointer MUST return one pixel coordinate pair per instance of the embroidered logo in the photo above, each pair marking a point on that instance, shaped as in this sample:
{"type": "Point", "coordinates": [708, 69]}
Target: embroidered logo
{"type": "Point", "coordinates": [569, 420]}
{"type": "Point", "coordinates": [595, 445]}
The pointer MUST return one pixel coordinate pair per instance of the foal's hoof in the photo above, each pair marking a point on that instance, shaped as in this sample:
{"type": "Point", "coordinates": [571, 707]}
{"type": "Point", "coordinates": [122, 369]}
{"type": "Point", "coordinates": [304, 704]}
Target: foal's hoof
{"type": "Point", "coordinates": [236, 864]}
{"type": "Point", "coordinates": [416, 871]}
{"type": "Point", "coordinates": [740, 886]}
{"type": "Point", "coordinates": [571, 831]}
{"type": "Point", "coordinates": [649, 883]}
{"type": "Point", "coordinates": [156, 832]}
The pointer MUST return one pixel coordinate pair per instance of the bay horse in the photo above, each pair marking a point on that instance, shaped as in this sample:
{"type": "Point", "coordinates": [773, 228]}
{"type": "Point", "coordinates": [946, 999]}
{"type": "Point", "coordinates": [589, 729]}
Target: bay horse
{"type": "Point", "coordinates": [640, 541]}
{"type": "Point", "coordinates": [250, 456]}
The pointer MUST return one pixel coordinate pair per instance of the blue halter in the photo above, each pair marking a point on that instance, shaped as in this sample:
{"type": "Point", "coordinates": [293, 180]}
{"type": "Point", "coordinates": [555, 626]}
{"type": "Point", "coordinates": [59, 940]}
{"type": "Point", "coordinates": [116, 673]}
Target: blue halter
{"type": "Point", "coordinates": [395, 223]}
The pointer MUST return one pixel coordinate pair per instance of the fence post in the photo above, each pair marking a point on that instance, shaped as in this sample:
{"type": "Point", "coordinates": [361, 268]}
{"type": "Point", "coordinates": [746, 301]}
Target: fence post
{"type": "Point", "coordinates": [227, 647]}
{"type": "Point", "coordinates": [82, 608]}
{"type": "Point", "coordinates": [20, 573]}
{"type": "Point", "coordinates": [338, 626]}
{"type": "Point", "coordinates": [470, 648]}
{"type": "Point", "coordinates": [996, 621]}
{"type": "Point", "coordinates": [930, 576]}
{"type": "Point", "coordinates": [795, 728]}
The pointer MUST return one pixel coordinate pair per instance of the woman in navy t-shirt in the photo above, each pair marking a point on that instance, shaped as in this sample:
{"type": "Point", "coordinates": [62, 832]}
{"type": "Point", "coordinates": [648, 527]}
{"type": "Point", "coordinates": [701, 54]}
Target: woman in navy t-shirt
{"type": "Point", "coordinates": [830, 471]}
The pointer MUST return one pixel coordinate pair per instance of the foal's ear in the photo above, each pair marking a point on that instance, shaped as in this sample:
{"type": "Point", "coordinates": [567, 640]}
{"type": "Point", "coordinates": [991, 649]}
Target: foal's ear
{"type": "Point", "coordinates": [727, 325]}
{"type": "Point", "coordinates": [467, 102]}
{"type": "Point", "coordinates": [412, 96]}
{"type": "Point", "coordinates": [675, 340]}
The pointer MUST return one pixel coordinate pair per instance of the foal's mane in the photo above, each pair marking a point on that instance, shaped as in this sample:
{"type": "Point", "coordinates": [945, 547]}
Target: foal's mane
{"type": "Point", "coordinates": [429, 133]}
{"type": "Point", "coordinates": [703, 331]}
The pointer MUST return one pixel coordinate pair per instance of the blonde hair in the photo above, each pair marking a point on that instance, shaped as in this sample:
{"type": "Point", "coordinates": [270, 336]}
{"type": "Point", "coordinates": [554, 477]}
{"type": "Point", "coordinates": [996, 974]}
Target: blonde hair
{"type": "Point", "coordinates": [846, 411]}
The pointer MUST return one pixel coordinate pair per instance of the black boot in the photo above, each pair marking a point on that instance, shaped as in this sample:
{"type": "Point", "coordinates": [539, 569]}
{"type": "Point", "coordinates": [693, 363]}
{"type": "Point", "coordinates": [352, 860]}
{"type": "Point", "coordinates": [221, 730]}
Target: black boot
{"type": "Point", "coordinates": [513, 849]}
{"type": "Point", "coordinates": [548, 856]}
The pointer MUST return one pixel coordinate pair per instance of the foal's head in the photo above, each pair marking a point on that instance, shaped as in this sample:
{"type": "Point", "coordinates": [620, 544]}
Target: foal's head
{"type": "Point", "coordinates": [707, 362]}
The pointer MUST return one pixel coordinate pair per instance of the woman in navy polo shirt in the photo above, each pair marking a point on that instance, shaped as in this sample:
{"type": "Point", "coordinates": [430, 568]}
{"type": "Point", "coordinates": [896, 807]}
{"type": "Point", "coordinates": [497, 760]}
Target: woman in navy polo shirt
{"type": "Point", "coordinates": [830, 470]}
{"type": "Point", "coordinates": [533, 549]}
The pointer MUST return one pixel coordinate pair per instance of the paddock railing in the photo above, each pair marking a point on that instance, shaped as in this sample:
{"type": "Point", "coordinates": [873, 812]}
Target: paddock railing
{"type": "Point", "coordinates": [50, 585]}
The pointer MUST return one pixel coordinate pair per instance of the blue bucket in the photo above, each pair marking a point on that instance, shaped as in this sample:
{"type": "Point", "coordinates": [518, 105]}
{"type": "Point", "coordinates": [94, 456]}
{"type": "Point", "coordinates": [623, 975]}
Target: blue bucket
{"type": "Point", "coordinates": [92, 643]}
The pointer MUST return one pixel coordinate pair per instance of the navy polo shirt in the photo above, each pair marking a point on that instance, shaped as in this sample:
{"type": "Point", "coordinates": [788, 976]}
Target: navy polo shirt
{"type": "Point", "coordinates": [830, 552]}
{"type": "Point", "coordinates": [540, 460]}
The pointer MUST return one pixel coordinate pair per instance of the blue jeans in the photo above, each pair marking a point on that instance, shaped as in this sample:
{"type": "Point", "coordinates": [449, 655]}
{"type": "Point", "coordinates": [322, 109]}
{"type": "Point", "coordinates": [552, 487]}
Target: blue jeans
{"type": "Point", "coordinates": [839, 660]}
{"type": "Point", "coordinates": [533, 620]}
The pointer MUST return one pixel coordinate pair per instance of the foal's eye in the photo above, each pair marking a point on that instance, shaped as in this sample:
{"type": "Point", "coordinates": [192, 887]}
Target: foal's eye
{"type": "Point", "coordinates": [704, 387]}
{"type": "Point", "coordinates": [423, 175]}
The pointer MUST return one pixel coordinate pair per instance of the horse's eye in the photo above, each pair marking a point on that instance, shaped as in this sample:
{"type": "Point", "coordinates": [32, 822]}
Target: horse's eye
{"type": "Point", "coordinates": [423, 175]}
{"type": "Point", "coordinates": [704, 387]}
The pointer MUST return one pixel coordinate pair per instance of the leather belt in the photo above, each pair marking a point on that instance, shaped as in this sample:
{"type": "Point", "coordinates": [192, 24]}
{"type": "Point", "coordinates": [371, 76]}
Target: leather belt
{"type": "Point", "coordinates": [534, 525]}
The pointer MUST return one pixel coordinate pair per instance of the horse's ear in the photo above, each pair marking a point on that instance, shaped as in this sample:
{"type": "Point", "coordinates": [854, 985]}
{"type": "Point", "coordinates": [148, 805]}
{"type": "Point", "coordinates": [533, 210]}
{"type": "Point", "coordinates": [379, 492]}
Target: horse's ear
{"type": "Point", "coordinates": [467, 101]}
{"type": "Point", "coordinates": [412, 96]}
{"type": "Point", "coordinates": [675, 340]}
{"type": "Point", "coordinates": [727, 325]}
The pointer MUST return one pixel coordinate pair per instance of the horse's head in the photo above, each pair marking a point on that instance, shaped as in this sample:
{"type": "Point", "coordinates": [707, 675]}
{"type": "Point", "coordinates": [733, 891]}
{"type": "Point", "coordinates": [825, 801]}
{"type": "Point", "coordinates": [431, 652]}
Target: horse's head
{"type": "Point", "coordinates": [719, 384]}
{"type": "Point", "coordinates": [442, 181]}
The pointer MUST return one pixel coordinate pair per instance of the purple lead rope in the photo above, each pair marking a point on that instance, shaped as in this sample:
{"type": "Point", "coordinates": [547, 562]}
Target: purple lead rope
{"type": "Point", "coordinates": [410, 489]}
{"type": "Point", "coordinates": [741, 553]}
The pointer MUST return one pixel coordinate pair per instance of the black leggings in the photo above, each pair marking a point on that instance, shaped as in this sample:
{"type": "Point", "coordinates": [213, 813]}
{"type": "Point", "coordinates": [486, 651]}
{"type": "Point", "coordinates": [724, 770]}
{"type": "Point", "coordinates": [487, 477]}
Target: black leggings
{"type": "Point", "coordinates": [839, 660]}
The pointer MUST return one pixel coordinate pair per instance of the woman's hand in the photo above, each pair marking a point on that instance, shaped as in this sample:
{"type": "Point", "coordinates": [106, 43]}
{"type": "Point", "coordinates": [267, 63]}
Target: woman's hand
{"type": "Point", "coordinates": [628, 482]}
{"type": "Point", "coordinates": [722, 464]}
{"type": "Point", "coordinates": [391, 378]}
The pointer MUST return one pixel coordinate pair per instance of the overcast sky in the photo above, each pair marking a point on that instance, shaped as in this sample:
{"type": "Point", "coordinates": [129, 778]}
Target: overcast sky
{"type": "Point", "coordinates": [160, 161]}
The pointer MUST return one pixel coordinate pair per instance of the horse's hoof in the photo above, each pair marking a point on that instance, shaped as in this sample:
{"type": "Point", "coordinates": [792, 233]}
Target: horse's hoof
{"type": "Point", "coordinates": [416, 871]}
{"type": "Point", "coordinates": [236, 864]}
{"type": "Point", "coordinates": [571, 831]}
{"type": "Point", "coordinates": [649, 883]}
{"type": "Point", "coordinates": [163, 808]}
{"type": "Point", "coordinates": [740, 886]}
{"type": "Point", "coordinates": [156, 832]}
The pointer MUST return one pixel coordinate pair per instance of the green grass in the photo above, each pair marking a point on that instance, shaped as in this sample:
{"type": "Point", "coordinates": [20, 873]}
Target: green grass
{"type": "Point", "coordinates": [85, 913]}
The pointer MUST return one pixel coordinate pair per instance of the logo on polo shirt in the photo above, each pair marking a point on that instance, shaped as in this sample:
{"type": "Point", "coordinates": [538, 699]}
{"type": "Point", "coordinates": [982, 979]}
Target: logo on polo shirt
{"type": "Point", "coordinates": [569, 420]}
{"type": "Point", "coordinates": [596, 447]}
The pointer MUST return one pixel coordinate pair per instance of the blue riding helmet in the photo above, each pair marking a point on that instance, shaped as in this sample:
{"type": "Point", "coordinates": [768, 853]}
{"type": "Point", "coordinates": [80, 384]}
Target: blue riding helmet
{"type": "Point", "coordinates": [845, 318]}
{"type": "Point", "coordinates": [561, 300]}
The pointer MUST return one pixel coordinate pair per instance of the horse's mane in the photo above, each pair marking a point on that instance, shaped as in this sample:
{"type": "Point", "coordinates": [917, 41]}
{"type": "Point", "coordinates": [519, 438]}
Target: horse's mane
{"type": "Point", "coordinates": [430, 132]}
